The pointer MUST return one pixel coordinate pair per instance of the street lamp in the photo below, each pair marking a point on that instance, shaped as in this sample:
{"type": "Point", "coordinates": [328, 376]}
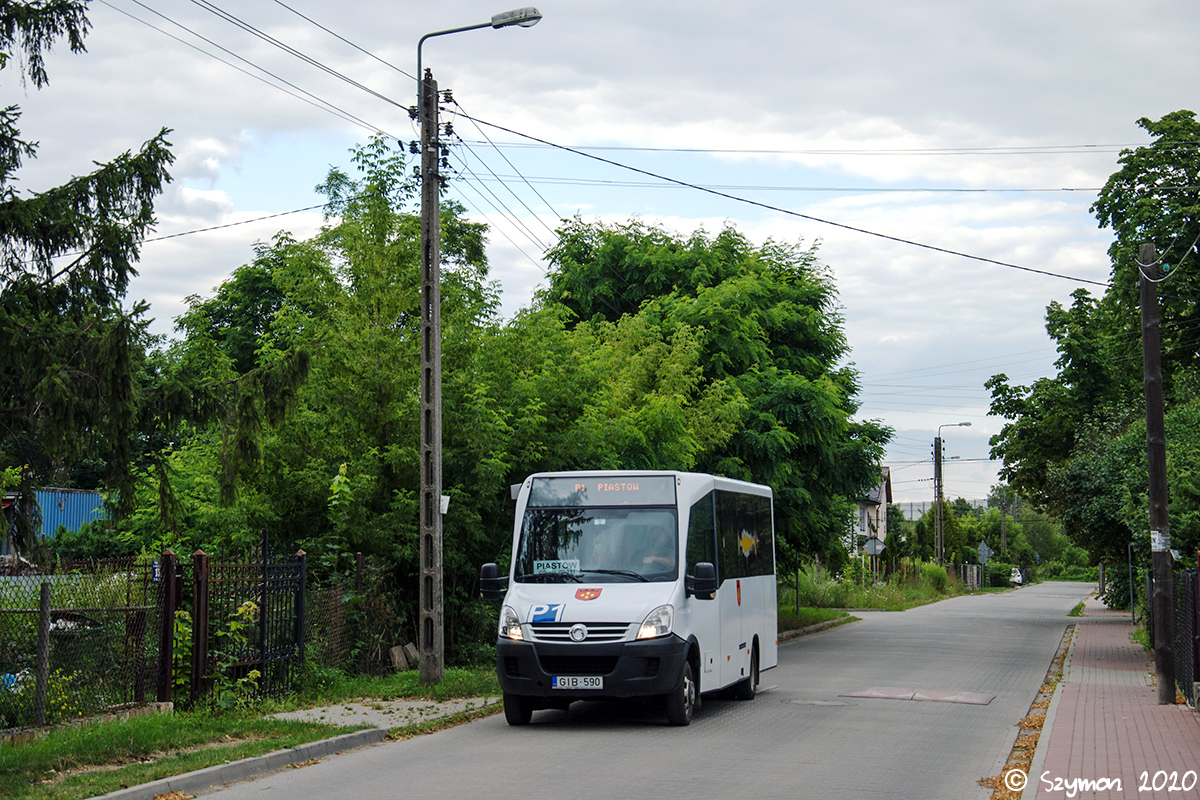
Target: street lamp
{"type": "Point", "coordinates": [431, 502]}
{"type": "Point", "coordinates": [937, 485]}
{"type": "Point", "coordinates": [525, 17]}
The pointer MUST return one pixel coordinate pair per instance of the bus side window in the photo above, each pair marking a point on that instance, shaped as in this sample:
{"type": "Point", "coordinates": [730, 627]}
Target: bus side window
{"type": "Point", "coordinates": [701, 538]}
{"type": "Point", "coordinates": [731, 524]}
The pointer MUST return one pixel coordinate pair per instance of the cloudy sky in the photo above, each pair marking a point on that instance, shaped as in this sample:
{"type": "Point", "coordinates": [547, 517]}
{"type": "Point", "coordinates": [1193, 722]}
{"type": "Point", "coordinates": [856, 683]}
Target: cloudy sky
{"type": "Point", "coordinates": [982, 129]}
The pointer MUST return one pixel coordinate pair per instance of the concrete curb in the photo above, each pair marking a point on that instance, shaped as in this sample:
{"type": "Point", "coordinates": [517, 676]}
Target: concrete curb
{"type": "Point", "coordinates": [820, 626]}
{"type": "Point", "coordinates": [1039, 754]}
{"type": "Point", "coordinates": [249, 767]}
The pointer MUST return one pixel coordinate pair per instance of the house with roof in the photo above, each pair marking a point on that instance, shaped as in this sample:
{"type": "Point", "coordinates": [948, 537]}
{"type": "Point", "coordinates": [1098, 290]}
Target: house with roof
{"type": "Point", "coordinates": [871, 521]}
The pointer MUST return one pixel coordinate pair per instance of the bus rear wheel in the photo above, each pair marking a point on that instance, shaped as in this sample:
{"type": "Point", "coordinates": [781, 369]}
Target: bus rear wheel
{"type": "Point", "coordinates": [746, 689]}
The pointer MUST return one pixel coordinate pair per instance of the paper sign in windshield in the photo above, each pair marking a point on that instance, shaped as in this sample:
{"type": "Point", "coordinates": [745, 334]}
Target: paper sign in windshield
{"type": "Point", "coordinates": [564, 565]}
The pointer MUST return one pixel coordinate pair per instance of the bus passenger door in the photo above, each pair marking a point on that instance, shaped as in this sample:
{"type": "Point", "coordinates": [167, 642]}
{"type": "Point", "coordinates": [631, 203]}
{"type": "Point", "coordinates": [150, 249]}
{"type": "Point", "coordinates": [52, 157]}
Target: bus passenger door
{"type": "Point", "coordinates": [705, 615]}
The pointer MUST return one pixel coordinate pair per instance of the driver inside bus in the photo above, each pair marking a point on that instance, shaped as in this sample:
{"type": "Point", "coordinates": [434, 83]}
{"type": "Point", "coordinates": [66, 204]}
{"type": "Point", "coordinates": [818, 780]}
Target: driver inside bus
{"type": "Point", "coordinates": [660, 549]}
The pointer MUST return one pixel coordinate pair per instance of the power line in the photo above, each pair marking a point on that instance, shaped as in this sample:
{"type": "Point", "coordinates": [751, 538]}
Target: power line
{"type": "Point", "coordinates": [551, 180]}
{"type": "Point", "coordinates": [309, 97]}
{"type": "Point", "coordinates": [266, 37]}
{"type": "Point", "coordinates": [796, 214]}
{"type": "Point", "coordinates": [916, 151]}
{"type": "Point", "coordinates": [345, 40]}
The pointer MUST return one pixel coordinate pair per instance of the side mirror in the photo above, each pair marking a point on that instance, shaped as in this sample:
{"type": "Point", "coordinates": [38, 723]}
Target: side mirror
{"type": "Point", "coordinates": [704, 582]}
{"type": "Point", "coordinates": [491, 585]}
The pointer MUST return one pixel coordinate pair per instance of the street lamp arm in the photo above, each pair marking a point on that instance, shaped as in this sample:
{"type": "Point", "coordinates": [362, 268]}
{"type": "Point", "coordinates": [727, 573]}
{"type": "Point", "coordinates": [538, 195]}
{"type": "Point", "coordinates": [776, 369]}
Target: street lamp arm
{"type": "Point", "coordinates": [421, 43]}
{"type": "Point", "coordinates": [525, 17]}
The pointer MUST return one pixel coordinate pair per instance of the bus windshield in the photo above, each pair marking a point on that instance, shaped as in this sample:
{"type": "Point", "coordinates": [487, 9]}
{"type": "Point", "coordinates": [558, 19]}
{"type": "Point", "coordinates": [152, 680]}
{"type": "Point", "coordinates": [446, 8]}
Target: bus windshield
{"type": "Point", "coordinates": [597, 545]}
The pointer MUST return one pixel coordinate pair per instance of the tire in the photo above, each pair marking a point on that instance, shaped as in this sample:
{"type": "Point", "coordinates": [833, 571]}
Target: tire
{"type": "Point", "coordinates": [746, 689]}
{"type": "Point", "coordinates": [518, 710]}
{"type": "Point", "coordinates": [682, 702]}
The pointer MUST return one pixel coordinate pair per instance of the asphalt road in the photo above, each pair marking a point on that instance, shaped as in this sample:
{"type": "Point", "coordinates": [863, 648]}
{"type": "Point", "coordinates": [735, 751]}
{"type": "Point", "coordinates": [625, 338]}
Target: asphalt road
{"type": "Point", "coordinates": [799, 738]}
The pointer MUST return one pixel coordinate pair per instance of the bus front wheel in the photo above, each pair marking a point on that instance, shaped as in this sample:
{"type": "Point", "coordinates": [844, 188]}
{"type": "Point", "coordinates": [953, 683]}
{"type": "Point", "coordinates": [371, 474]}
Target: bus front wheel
{"type": "Point", "coordinates": [518, 710]}
{"type": "Point", "coordinates": [681, 703]}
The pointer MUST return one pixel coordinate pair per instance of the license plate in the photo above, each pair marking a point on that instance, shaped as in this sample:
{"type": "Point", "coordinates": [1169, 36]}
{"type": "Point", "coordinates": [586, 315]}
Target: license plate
{"type": "Point", "coordinates": [577, 682]}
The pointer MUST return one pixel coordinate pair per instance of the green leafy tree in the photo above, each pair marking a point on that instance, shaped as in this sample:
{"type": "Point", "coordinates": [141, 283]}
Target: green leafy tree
{"type": "Point", "coordinates": [770, 340]}
{"type": "Point", "coordinates": [71, 351]}
{"type": "Point", "coordinates": [1070, 439]}
{"type": "Point", "coordinates": [1155, 197]}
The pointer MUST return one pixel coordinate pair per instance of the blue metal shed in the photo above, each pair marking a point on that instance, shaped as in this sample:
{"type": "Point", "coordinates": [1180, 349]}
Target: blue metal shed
{"type": "Point", "coordinates": [69, 508]}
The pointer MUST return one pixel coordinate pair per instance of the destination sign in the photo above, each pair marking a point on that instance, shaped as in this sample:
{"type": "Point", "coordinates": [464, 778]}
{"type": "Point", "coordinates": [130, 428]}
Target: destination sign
{"type": "Point", "coordinates": [645, 490]}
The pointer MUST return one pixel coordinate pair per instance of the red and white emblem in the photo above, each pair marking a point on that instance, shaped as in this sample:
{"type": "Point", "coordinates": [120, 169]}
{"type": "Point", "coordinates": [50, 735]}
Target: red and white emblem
{"type": "Point", "coordinates": [587, 594]}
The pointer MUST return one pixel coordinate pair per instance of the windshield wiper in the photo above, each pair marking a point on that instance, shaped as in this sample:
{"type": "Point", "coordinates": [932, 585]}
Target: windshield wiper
{"type": "Point", "coordinates": [535, 575]}
{"type": "Point", "coordinates": [627, 573]}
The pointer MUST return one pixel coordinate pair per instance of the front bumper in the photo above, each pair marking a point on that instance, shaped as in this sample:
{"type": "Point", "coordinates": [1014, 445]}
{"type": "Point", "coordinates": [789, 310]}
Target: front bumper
{"type": "Point", "coordinates": [630, 669]}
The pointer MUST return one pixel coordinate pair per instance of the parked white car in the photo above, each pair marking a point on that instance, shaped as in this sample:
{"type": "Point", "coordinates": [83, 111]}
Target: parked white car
{"type": "Point", "coordinates": [1015, 576]}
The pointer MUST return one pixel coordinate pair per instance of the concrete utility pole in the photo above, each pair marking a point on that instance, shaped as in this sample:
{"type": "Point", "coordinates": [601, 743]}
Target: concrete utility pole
{"type": "Point", "coordinates": [430, 632]}
{"type": "Point", "coordinates": [937, 486]}
{"type": "Point", "coordinates": [937, 498]}
{"type": "Point", "coordinates": [431, 635]}
{"type": "Point", "coordinates": [1162, 603]}
{"type": "Point", "coordinates": [1003, 519]}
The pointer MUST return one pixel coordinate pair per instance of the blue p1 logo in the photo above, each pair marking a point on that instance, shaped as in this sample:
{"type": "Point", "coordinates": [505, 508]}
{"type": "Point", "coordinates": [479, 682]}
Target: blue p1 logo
{"type": "Point", "coordinates": [547, 613]}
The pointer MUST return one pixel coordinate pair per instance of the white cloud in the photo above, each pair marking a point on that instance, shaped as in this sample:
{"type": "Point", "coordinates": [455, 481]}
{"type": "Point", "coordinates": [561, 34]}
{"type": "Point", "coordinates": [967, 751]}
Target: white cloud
{"type": "Point", "coordinates": [966, 88]}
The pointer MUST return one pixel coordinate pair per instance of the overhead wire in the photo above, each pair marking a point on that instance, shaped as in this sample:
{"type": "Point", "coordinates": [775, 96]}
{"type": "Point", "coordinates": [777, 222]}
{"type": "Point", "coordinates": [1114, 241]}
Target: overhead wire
{"type": "Point", "coordinates": [269, 39]}
{"type": "Point", "coordinates": [797, 214]}
{"type": "Point", "coordinates": [525, 180]}
{"type": "Point", "coordinates": [341, 38]}
{"type": "Point", "coordinates": [308, 97]}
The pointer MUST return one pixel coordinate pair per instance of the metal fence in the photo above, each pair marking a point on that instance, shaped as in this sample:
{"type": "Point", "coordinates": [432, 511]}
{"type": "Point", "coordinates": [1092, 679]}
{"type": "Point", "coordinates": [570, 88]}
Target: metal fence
{"type": "Point", "coordinates": [90, 637]}
{"type": "Point", "coordinates": [77, 642]}
{"type": "Point", "coordinates": [1187, 634]}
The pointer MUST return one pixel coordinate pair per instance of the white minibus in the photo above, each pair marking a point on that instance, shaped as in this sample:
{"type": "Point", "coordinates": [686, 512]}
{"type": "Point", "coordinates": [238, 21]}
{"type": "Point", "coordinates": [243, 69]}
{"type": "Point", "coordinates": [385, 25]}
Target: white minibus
{"type": "Point", "coordinates": [635, 584]}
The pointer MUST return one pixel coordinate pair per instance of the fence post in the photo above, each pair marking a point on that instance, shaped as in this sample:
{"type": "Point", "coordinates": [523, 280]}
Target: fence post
{"type": "Point", "coordinates": [166, 638]}
{"type": "Point", "coordinates": [301, 592]}
{"type": "Point", "coordinates": [265, 676]}
{"type": "Point", "coordinates": [199, 623]}
{"type": "Point", "coordinates": [43, 654]}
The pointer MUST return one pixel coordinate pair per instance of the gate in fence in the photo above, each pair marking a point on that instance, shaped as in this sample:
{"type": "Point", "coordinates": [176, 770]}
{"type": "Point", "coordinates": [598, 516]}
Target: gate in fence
{"type": "Point", "coordinates": [245, 617]}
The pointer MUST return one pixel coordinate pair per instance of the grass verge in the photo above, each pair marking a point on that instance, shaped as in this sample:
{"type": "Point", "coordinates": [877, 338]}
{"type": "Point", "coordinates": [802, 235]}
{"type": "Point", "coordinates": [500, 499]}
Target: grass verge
{"type": "Point", "coordinates": [81, 761]}
{"type": "Point", "coordinates": [791, 619]}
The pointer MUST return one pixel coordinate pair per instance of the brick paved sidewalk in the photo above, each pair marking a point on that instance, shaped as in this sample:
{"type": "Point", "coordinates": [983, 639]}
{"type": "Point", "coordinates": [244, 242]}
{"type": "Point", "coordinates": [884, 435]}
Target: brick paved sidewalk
{"type": "Point", "coordinates": [1105, 725]}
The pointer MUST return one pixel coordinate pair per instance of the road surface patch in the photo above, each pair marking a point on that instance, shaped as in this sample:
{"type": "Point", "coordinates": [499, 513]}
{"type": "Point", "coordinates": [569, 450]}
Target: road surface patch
{"type": "Point", "coordinates": [924, 695]}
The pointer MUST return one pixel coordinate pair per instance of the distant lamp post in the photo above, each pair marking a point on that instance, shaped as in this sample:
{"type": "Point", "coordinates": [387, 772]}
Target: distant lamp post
{"type": "Point", "coordinates": [937, 487]}
{"type": "Point", "coordinates": [432, 503]}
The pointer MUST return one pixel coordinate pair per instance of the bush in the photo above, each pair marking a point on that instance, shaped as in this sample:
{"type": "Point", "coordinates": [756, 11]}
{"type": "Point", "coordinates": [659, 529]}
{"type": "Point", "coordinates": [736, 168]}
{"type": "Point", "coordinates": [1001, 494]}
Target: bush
{"type": "Point", "coordinates": [818, 588]}
{"type": "Point", "coordinates": [1116, 589]}
{"type": "Point", "coordinates": [935, 577]}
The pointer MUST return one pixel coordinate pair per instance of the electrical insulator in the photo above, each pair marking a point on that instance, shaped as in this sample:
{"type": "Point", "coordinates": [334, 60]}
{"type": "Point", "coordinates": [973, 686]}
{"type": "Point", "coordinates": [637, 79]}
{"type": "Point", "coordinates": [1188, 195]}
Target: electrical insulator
{"type": "Point", "coordinates": [443, 181]}
{"type": "Point", "coordinates": [449, 129]}
{"type": "Point", "coordinates": [445, 150]}
{"type": "Point", "coordinates": [412, 112]}
{"type": "Point", "coordinates": [445, 163]}
{"type": "Point", "coordinates": [447, 95]}
{"type": "Point", "coordinates": [414, 147]}
{"type": "Point", "coordinates": [417, 173]}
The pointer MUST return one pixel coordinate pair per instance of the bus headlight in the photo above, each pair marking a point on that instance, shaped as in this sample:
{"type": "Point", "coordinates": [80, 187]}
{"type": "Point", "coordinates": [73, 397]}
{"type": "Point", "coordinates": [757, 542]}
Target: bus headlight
{"type": "Point", "coordinates": [657, 623]}
{"type": "Point", "coordinates": [510, 626]}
